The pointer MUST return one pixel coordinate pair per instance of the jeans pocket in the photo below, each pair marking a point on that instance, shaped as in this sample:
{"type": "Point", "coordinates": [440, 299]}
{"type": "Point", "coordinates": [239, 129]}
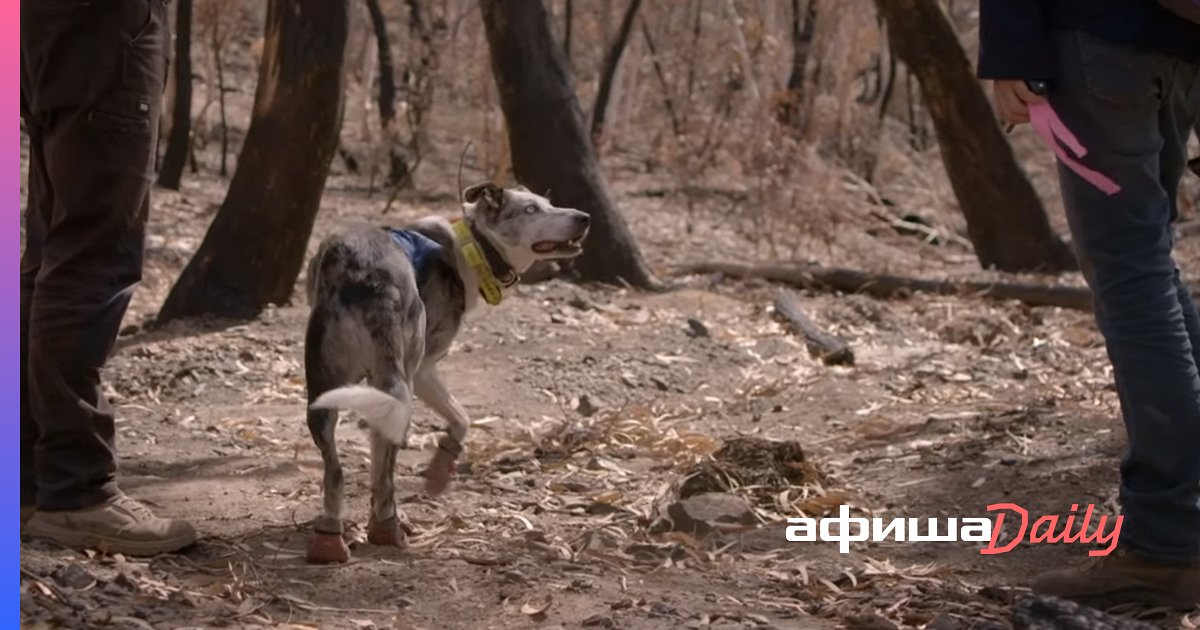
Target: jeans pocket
{"type": "Point", "coordinates": [144, 55]}
{"type": "Point", "coordinates": [1120, 74]}
{"type": "Point", "coordinates": [137, 19]}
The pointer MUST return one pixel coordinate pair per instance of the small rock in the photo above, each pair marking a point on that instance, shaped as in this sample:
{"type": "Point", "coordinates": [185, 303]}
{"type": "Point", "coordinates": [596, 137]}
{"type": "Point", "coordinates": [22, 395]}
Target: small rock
{"type": "Point", "coordinates": [581, 303]}
{"type": "Point", "coordinates": [128, 330]}
{"type": "Point", "coordinates": [1009, 461]}
{"type": "Point", "coordinates": [660, 384]}
{"type": "Point", "coordinates": [598, 620]}
{"type": "Point", "coordinates": [945, 622]}
{"type": "Point", "coordinates": [73, 576]}
{"type": "Point", "coordinates": [871, 621]}
{"type": "Point", "coordinates": [581, 585]}
{"type": "Point", "coordinates": [587, 408]}
{"type": "Point", "coordinates": [696, 328]}
{"type": "Point", "coordinates": [700, 514]}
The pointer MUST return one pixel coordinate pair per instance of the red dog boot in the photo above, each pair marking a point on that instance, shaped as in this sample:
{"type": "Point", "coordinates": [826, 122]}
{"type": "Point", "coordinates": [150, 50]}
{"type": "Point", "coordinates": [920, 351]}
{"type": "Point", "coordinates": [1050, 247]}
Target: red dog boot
{"type": "Point", "coordinates": [393, 532]}
{"type": "Point", "coordinates": [441, 467]}
{"type": "Point", "coordinates": [326, 548]}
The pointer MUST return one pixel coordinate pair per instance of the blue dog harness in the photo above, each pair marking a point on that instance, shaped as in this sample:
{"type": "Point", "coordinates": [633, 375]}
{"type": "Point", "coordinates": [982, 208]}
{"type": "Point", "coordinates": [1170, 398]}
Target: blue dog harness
{"type": "Point", "coordinates": [418, 248]}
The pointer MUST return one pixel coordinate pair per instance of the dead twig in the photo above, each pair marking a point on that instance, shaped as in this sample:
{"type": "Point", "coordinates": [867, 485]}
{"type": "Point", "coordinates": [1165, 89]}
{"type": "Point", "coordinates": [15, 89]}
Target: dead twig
{"type": "Point", "coordinates": [830, 349]}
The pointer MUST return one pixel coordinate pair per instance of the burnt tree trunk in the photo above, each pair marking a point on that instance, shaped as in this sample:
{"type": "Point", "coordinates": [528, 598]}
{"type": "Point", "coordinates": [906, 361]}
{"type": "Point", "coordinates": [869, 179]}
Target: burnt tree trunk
{"type": "Point", "coordinates": [548, 140]}
{"type": "Point", "coordinates": [1005, 218]}
{"type": "Point", "coordinates": [170, 174]}
{"type": "Point", "coordinates": [397, 166]}
{"type": "Point", "coordinates": [387, 68]}
{"type": "Point", "coordinates": [218, 45]}
{"type": "Point", "coordinates": [254, 250]}
{"type": "Point", "coordinates": [668, 102]}
{"type": "Point", "coordinates": [568, 24]}
{"type": "Point", "coordinates": [804, 26]}
{"type": "Point", "coordinates": [612, 59]}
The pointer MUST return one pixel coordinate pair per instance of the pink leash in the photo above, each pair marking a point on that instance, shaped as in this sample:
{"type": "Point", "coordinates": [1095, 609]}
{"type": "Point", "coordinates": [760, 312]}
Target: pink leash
{"type": "Point", "coordinates": [1052, 130]}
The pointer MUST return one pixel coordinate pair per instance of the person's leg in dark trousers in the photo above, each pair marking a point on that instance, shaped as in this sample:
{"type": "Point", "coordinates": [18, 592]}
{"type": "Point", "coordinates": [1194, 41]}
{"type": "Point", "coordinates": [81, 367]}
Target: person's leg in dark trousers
{"type": "Point", "coordinates": [92, 80]}
{"type": "Point", "coordinates": [1134, 111]}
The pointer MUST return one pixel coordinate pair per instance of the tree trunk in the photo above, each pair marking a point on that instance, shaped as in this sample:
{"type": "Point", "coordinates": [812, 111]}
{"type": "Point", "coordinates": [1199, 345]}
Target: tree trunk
{"type": "Point", "coordinates": [1005, 219]}
{"type": "Point", "coordinates": [803, 30]}
{"type": "Point", "coordinates": [170, 174]}
{"type": "Point", "coordinates": [549, 144]}
{"type": "Point", "coordinates": [254, 250]}
{"type": "Point", "coordinates": [668, 102]}
{"type": "Point", "coordinates": [387, 69]}
{"type": "Point", "coordinates": [611, 60]}
{"type": "Point", "coordinates": [218, 45]}
{"type": "Point", "coordinates": [568, 23]}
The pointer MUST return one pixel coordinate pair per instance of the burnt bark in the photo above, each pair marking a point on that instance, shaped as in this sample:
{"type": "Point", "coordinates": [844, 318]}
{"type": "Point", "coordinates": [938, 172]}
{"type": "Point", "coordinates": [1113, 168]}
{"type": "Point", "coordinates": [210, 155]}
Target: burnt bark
{"type": "Point", "coordinates": [612, 60]}
{"type": "Point", "coordinates": [387, 67]}
{"type": "Point", "coordinates": [254, 250]}
{"type": "Point", "coordinates": [218, 46]}
{"type": "Point", "coordinates": [398, 167]}
{"type": "Point", "coordinates": [1006, 221]}
{"type": "Point", "coordinates": [568, 24]}
{"type": "Point", "coordinates": [170, 174]}
{"type": "Point", "coordinates": [548, 140]}
{"type": "Point", "coordinates": [804, 25]}
{"type": "Point", "coordinates": [668, 102]}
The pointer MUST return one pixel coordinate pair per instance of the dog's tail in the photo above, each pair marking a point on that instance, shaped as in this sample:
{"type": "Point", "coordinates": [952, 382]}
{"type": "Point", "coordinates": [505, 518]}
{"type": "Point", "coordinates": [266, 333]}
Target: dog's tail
{"type": "Point", "coordinates": [382, 412]}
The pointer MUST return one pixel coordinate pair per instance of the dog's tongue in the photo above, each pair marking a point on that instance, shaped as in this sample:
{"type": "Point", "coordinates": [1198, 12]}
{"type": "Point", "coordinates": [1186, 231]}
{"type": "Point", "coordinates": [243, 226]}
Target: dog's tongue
{"type": "Point", "coordinates": [545, 247]}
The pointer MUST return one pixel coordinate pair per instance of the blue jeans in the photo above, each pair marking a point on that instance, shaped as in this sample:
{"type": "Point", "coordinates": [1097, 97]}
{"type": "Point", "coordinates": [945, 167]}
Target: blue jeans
{"type": "Point", "coordinates": [1134, 110]}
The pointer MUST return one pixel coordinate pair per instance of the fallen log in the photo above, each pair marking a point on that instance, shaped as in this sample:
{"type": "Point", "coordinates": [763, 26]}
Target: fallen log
{"type": "Point", "coordinates": [829, 349]}
{"type": "Point", "coordinates": [817, 278]}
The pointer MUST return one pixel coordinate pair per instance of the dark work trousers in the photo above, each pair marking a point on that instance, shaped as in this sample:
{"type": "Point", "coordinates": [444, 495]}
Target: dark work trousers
{"type": "Point", "coordinates": [1134, 111]}
{"type": "Point", "coordinates": [92, 80]}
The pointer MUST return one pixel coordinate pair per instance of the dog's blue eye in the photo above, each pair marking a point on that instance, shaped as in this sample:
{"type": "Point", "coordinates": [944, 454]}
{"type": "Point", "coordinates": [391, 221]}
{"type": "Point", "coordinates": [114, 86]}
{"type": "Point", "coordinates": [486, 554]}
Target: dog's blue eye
{"type": "Point", "coordinates": [530, 209]}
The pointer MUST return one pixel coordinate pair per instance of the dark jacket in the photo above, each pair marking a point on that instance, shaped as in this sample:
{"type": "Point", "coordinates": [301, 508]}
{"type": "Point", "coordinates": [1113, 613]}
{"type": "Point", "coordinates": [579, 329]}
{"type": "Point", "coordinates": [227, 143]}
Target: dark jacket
{"type": "Point", "coordinates": [1015, 35]}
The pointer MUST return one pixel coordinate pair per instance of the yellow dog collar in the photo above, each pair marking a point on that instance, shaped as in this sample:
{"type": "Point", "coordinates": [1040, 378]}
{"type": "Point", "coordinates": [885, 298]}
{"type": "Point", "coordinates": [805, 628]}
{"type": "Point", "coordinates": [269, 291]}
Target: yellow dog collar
{"type": "Point", "coordinates": [488, 285]}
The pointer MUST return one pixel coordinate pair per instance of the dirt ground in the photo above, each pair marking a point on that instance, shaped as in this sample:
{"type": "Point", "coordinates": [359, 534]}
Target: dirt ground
{"type": "Point", "coordinates": [590, 404]}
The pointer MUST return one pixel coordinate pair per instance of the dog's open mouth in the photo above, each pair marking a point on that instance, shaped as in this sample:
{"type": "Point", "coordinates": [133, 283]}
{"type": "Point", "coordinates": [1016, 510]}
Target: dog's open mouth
{"type": "Point", "coordinates": [573, 246]}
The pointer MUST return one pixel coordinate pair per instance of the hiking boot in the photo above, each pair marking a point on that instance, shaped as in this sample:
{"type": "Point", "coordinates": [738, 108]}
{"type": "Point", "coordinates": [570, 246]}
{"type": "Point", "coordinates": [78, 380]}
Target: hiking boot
{"type": "Point", "coordinates": [121, 525]}
{"type": "Point", "coordinates": [1121, 578]}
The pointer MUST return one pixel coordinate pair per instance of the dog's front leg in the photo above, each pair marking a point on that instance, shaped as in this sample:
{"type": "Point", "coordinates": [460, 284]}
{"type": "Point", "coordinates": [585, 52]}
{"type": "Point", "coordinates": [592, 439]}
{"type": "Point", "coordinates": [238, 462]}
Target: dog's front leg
{"type": "Point", "coordinates": [430, 388]}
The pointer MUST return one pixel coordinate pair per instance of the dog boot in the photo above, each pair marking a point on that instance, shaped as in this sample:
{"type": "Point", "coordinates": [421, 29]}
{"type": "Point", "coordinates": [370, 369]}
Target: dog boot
{"type": "Point", "coordinates": [120, 525]}
{"type": "Point", "coordinates": [1120, 578]}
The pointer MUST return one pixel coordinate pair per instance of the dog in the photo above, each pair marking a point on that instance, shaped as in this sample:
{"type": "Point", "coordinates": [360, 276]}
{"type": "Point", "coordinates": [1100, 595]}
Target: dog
{"type": "Point", "coordinates": [385, 307]}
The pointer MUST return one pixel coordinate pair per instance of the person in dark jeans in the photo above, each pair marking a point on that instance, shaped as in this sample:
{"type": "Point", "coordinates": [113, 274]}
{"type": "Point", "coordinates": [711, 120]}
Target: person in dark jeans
{"type": "Point", "coordinates": [1124, 77]}
{"type": "Point", "coordinates": [92, 79]}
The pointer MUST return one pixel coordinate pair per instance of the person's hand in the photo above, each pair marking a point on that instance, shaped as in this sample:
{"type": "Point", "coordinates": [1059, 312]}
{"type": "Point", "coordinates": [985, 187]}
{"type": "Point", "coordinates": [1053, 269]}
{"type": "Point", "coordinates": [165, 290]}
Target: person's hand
{"type": "Point", "coordinates": [1013, 99]}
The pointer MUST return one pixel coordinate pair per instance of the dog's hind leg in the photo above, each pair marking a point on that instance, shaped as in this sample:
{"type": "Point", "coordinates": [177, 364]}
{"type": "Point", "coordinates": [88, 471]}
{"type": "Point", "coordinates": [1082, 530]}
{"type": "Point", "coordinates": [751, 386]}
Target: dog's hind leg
{"type": "Point", "coordinates": [430, 388]}
{"type": "Point", "coordinates": [384, 526]}
{"type": "Point", "coordinates": [326, 545]}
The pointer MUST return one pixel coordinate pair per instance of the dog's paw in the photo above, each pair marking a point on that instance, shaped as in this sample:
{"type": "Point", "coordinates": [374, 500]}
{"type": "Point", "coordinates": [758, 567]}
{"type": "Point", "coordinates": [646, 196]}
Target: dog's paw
{"type": "Point", "coordinates": [327, 549]}
{"type": "Point", "coordinates": [390, 533]}
{"type": "Point", "coordinates": [441, 467]}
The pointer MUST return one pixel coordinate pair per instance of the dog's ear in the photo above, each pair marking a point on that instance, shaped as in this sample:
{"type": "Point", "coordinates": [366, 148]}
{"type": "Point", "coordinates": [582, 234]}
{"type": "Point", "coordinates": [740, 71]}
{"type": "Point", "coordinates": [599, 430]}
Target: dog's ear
{"type": "Point", "coordinates": [491, 194]}
{"type": "Point", "coordinates": [520, 188]}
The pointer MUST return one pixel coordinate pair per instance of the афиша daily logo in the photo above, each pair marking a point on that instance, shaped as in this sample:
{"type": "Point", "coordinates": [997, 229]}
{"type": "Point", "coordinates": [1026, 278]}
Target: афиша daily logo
{"type": "Point", "coordinates": [1044, 530]}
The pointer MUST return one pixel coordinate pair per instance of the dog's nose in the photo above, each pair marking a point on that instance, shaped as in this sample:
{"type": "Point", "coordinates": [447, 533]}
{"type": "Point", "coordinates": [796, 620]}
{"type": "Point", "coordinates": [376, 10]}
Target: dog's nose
{"type": "Point", "coordinates": [583, 219]}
